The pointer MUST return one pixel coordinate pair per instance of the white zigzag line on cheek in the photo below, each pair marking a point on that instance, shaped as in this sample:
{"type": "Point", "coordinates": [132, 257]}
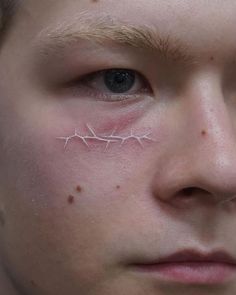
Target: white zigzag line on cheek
{"type": "Point", "coordinates": [108, 139]}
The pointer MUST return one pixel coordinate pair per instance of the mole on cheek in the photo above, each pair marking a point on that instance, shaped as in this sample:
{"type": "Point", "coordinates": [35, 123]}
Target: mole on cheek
{"type": "Point", "coordinates": [79, 189]}
{"type": "Point", "coordinates": [118, 187]}
{"type": "Point", "coordinates": [203, 133]}
{"type": "Point", "coordinates": [211, 58]}
{"type": "Point", "coordinates": [71, 199]}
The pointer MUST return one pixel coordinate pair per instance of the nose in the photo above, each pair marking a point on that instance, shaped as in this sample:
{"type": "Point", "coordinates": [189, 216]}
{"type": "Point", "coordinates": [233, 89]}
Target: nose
{"type": "Point", "coordinates": [200, 159]}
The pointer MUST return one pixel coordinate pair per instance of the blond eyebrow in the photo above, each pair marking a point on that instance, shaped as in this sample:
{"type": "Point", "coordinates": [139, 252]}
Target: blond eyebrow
{"type": "Point", "coordinates": [105, 29]}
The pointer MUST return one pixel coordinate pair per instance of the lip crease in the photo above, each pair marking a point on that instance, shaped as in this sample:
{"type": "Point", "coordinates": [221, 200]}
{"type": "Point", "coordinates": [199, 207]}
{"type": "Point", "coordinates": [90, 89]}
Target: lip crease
{"type": "Point", "coordinates": [191, 266]}
{"type": "Point", "coordinates": [194, 255]}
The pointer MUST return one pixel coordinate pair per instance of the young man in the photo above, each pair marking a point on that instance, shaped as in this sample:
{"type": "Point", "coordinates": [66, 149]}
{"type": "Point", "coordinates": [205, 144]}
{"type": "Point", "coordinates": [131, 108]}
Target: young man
{"type": "Point", "coordinates": [118, 147]}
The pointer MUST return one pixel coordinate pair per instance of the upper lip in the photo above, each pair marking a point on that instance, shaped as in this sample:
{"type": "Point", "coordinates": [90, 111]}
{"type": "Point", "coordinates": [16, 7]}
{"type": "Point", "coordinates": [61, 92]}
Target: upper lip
{"type": "Point", "coordinates": [192, 255]}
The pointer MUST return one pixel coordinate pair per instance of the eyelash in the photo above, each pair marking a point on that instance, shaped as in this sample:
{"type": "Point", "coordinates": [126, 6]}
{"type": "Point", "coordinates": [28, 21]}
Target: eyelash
{"type": "Point", "coordinates": [86, 85]}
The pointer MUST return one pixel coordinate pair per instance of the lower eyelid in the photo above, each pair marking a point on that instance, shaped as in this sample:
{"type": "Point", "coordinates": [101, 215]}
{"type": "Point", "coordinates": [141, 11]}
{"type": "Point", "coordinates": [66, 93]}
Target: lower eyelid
{"type": "Point", "coordinates": [88, 93]}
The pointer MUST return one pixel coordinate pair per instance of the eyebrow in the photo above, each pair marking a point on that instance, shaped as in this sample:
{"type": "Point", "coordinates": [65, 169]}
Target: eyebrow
{"type": "Point", "coordinates": [106, 29]}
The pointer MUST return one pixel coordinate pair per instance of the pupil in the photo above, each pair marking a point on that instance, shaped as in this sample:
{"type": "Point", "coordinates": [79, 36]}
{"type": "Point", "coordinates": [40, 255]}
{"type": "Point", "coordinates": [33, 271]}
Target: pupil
{"type": "Point", "coordinates": [119, 81]}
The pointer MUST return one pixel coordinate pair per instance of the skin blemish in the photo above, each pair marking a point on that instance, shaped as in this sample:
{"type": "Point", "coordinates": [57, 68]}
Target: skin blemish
{"type": "Point", "coordinates": [212, 58]}
{"type": "Point", "coordinates": [203, 133]}
{"type": "Point", "coordinates": [118, 187]}
{"type": "Point", "coordinates": [71, 199]}
{"type": "Point", "coordinates": [79, 189]}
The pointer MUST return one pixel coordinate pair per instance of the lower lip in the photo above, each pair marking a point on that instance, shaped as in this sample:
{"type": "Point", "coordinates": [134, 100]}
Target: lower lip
{"type": "Point", "coordinates": [190, 272]}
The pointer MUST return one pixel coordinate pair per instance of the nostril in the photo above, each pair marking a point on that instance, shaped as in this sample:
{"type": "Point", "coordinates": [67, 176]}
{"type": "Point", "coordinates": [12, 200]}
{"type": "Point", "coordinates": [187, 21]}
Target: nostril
{"type": "Point", "coordinates": [186, 196]}
{"type": "Point", "coordinates": [187, 192]}
{"type": "Point", "coordinates": [190, 192]}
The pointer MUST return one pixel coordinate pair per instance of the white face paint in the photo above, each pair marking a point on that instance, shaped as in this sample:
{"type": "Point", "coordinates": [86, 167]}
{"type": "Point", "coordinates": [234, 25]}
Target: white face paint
{"type": "Point", "coordinates": [108, 139]}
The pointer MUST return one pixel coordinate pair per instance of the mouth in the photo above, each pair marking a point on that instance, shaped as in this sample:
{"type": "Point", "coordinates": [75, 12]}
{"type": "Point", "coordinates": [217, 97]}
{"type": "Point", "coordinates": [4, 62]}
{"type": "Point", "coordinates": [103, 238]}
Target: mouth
{"type": "Point", "coordinates": [190, 266]}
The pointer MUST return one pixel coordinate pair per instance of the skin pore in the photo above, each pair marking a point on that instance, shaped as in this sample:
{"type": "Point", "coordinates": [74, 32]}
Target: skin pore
{"type": "Point", "coordinates": [72, 221]}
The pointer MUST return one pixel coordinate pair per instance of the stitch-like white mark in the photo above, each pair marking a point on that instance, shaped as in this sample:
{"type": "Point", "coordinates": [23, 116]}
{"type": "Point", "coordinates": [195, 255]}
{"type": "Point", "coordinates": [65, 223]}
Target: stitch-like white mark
{"type": "Point", "coordinates": [108, 139]}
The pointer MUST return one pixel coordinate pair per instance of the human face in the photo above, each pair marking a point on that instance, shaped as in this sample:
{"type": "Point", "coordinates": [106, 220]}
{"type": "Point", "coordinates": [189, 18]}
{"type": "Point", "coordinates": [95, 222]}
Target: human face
{"type": "Point", "coordinates": [102, 171]}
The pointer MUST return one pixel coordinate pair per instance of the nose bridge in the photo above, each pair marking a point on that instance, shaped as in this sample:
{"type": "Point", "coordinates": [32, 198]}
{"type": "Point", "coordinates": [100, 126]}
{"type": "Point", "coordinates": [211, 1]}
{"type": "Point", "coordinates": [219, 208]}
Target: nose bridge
{"type": "Point", "coordinates": [215, 151]}
{"type": "Point", "coordinates": [210, 114]}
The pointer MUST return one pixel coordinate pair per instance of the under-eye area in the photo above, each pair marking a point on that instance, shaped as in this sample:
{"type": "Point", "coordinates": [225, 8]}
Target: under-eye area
{"type": "Point", "coordinates": [108, 139]}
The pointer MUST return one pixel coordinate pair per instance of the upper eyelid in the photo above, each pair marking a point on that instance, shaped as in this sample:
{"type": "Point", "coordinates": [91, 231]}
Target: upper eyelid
{"type": "Point", "coordinates": [100, 72]}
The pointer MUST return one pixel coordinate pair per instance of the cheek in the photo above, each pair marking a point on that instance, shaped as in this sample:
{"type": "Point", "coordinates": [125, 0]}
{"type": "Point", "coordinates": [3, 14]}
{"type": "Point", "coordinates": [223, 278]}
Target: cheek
{"type": "Point", "coordinates": [57, 194]}
{"type": "Point", "coordinates": [64, 200]}
{"type": "Point", "coordinates": [50, 196]}
{"type": "Point", "coordinates": [46, 175]}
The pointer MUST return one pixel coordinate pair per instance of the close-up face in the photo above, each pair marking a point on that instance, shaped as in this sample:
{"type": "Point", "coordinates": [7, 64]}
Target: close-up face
{"type": "Point", "coordinates": [118, 148]}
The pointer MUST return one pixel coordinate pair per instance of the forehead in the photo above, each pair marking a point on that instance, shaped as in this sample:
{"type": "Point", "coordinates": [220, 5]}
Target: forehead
{"type": "Point", "coordinates": [200, 25]}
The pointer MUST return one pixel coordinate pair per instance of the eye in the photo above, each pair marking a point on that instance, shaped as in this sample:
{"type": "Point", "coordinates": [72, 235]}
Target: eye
{"type": "Point", "coordinates": [119, 81]}
{"type": "Point", "coordinates": [114, 84]}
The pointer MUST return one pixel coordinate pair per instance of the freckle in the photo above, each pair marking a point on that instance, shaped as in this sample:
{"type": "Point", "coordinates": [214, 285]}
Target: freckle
{"type": "Point", "coordinates": [71, 199]}
{"type": "Point", "coordinates": [212, 58]}
{"type": "Point", "coordinates": [118, 187]}
{"type": "Point", "coordinates": [79, 189]}
{"type": "Point", "coordinates": [95, 0]}
{"type": "Point", "coordinates": [203, 132]}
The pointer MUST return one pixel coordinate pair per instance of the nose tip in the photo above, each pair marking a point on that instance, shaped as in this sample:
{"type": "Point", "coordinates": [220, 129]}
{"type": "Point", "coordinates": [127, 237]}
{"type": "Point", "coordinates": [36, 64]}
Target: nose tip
{"type": "Point", "coordinates": [206, 171]}
{"type": "Point", "coordinates": [199, 183]}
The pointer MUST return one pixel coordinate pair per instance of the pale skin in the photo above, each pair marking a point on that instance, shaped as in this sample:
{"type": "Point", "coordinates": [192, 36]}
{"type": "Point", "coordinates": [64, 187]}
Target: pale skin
{"type": "Point", "coordinates": [71, 221]}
